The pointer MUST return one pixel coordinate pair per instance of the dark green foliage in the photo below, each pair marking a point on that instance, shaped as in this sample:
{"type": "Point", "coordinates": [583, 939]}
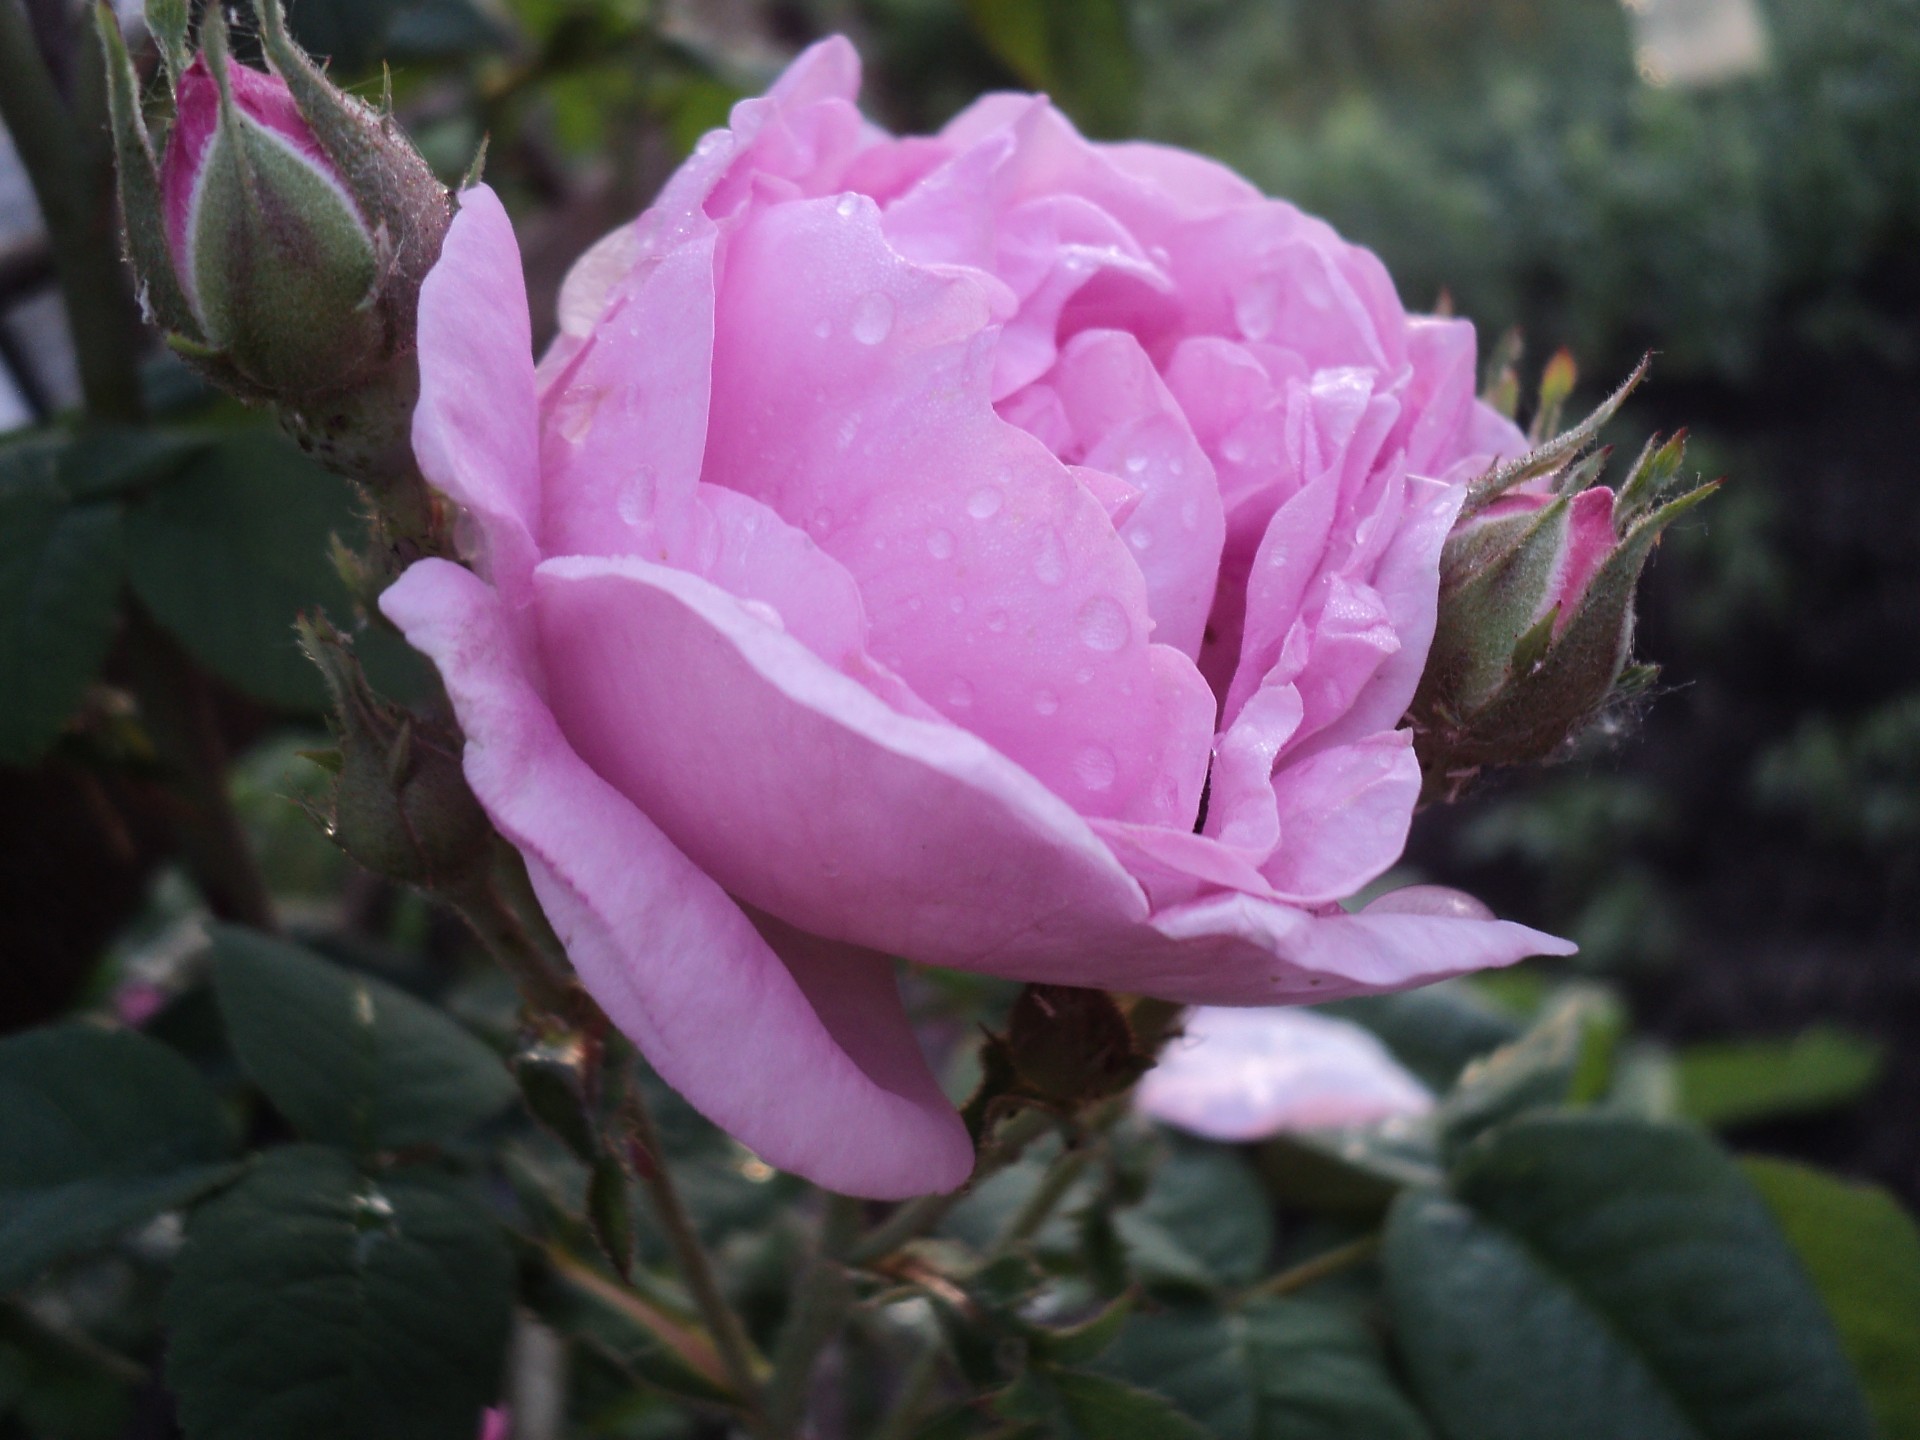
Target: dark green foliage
{"type": "Point", "coordinates": [102, 1130]}
{"type": "Point", "coordinates": [348, 1059]}
{"type": "Point", "coordinates": [1620, 1276]}
{"type": "Point", "coordinates": [60, 567]}
{"type": "Point", "coordinates": [1863, 1253]}
{"type": "Point", "coordinates": [314, 1301]}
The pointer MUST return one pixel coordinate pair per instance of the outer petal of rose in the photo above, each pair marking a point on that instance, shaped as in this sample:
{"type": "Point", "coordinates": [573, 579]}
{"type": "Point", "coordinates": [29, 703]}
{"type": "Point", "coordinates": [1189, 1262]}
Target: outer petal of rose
{"type": "Point", "coordinates": [678, 966]}
{"type": "Point", "coordinates": [1240, 1075]}
{"type": "Point", "coordinates": [829, 70]}
{"type": "Point", "coordinates": [800, 791]}
{"type": "Point", "coordinates": [1241, 950]}
{"type": "Point", "coordinates": [1344, 815]}
{"type": "Point", "coordinates": [475, 429]}
{"type": "Point", "coordinates": [994, 583]}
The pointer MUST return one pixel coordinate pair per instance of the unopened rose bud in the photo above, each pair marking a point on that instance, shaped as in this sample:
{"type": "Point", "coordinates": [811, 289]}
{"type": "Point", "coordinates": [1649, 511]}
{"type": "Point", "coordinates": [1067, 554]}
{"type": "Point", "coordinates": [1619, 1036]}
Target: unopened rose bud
{"type": "Point", "coordinates": [272, 255]}
{"type": "Point", "coordinates": [282, 239]}
{"type": "Point", "coordinates": [1535, 633]}
{"type": "Point", "coordinates": [401, 805]}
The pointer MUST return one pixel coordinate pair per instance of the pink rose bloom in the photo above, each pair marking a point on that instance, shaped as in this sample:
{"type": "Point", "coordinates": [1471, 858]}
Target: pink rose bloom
{"type": "Point", "coordinates": [991, 548]}
{"type": "Point", "coordinates": [1249, 1074]}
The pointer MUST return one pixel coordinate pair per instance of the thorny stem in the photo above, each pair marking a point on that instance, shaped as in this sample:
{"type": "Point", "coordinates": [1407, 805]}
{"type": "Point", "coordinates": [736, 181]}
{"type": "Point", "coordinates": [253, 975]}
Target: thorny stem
{"type": "Point", "coordinates": [1061, 1176]}
{"type": "Point", "coordinates": [903, 1416]}
{"type": "Point", "coordinates": [67, 158]}
{"type": "Point", "coordinates": [177, 710]}
{"type": "Point", "coordinates": [822, 1298]}
{"type": "Point", "coordinates": [917, 1217]}
{"type": "Point", "coordinates": [696, 1268]}
{"type": "Point", "coordinates": [508, 934]}
{"type": "Point", "coordinates": [1320, 1267]}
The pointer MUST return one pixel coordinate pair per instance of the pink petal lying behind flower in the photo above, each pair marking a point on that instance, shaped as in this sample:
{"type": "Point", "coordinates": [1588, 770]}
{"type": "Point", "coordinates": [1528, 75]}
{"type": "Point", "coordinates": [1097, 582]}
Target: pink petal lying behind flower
{"type": "Point", "coordinates": [1249, 1074]}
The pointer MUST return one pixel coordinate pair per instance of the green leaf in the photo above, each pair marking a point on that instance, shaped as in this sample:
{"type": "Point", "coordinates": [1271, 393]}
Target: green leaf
{"type": "Point", "coordinates": [1619, 1276]}
{"type": "Point", "coordinates": [1565, 1057]}
{"type": "Point", "coordinates": [104, 1129]}
{"type": "Point", "coordinates": [1318, 1374]}
{"type": "Point", "coordinates": [346, 1058]}
{"type": "Point", "coordinates": [1102, 1408]}
{"type": "Point", "coordinates": [232, 549]}
{"type": "Point", "coordinates": [314, 1302]}
{"type": "Point", "coordinates": [60, 570]}
{"type": "Point", "coordinates": [1355, 1169]}
{"type": "Point", "coordinates": [1211, 1204]}
{"type": "Point", "coordinates": [1080, 51]}
{"type": "Point", "coordinates": [1863, 1252]}
{"type": "Point", "coordinates": [1735, 1082]}
{"type": "Point", "coordinates": [1278, 1370]}
{"type": "Point", "coordinates": [1436, 1032]}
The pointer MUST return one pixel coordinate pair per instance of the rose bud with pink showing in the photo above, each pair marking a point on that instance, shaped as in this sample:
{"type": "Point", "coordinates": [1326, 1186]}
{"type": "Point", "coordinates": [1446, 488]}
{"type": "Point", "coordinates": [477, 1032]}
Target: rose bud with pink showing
{"type": "Point", "coordinates": [1537, 580]}
{"type": "Point", "coordinates": [990, 548]}
{"type": "Point", "coordinates": [281, 240]}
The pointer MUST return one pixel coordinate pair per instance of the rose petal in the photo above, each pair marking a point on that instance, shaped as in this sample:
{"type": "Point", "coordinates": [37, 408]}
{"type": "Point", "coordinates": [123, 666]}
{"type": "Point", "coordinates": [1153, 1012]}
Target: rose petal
{"type": "Point", "coordinates": [731, 736]}
{"type": "Point", "coordinates": [678, 967]}
{"type": "Point", "coordinates": [994, 583]}
{"type": "Point", "coordinates": [1239, 1075]}
{"type": "Point", "coordinates": [475, 428]}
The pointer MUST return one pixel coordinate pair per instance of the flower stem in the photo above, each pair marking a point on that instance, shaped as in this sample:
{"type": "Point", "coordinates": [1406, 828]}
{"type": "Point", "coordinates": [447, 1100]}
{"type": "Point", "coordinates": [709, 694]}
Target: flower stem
{"type": "Point", "coordinates": [822, 1297]}
{"type": "Point", "coordinates": [696, 1268]}
{"type": "Point", "coordinates": [67, 157]}
{"type": "Point", "coordinates": [917, 1217]}
{"type": "Point", "coordinates": [1320, 1267]}
{"type": "Point", "coordinates": [903, 1416]}
{"type": "Point", "coordinates": [177, 711]}
{"type": "Point", "coordinates": [1066, 1169]}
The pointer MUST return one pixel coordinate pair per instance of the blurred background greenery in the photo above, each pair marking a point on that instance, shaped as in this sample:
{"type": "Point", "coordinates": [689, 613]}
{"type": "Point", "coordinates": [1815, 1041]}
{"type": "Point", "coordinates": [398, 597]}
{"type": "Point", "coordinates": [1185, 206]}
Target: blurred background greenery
{"type": "Point", "coordinates": [1733, 184]}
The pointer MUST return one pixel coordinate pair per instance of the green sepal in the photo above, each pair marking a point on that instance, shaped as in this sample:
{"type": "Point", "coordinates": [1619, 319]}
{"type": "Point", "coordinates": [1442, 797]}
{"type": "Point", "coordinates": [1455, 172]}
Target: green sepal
{"type": "Point", "coordinates": [167, 22]}
{"type": "Point", "coordinates": [283, 264]}
{"type": "Point", "coordinates": [1495, 606]}
{"type": "Point", "coordinates": [1500, 381]}
{"type": "Point", "coordinates": [1652, 473]}
{"type": "Point", "coordinates": [140, 204]}
{"type": "Point", "coordinates": [406, 207]}
{"type": "Point", "coordinates": [1577, 677]}
{"type": "Point", "coordinates": [1556, 384]}
{"type": "Point", "coordinates": [1552, 455]}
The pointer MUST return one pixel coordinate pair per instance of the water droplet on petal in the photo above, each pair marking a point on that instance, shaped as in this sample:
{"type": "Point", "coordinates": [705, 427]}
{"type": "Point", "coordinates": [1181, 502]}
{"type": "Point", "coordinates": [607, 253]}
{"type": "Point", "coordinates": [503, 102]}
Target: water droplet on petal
{"type": "Point", "coordinates": [635, 500]}
{"type": "Point", "coordinates": [821, 521]}
{"type": "Point", "coordinates": [1256, 307]}
{"type": "Point", "coordinates": [578, 405]}
{"type": "Point", "coordinates": [1190, 515]}
{"type": "Point", "coordinates": [1136, 463]}
{"type": "Point", "coordinates": [1140, 539]}
{"type": "Point", "coordinates": [1103, 624]}
{"type": "Point", "coordinates": [1045, 702]}
{"type": "Point", "coordinates": [846, 205]}
{"type": "Point", "coordinates": [1095, 767]}
{"type": "Point", "coordinates": [1050, 565]}
{"type": "Point", "coordinates": [1235, 450]}
{"type": "Point", "coordinates": [763, 612]}
{"type": "Point", "coordinates": [823, 329]}
{"type": "Point", "coordinates": [940, 544]}
{"type": "Point", "coordinates": [873, 318]}
{"type": "Point", "coordinates": [959, 695]}
{"type": "Point", "coordinates": [985, 502]}
{"type": "Point", "coordinates": [996, 620]}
